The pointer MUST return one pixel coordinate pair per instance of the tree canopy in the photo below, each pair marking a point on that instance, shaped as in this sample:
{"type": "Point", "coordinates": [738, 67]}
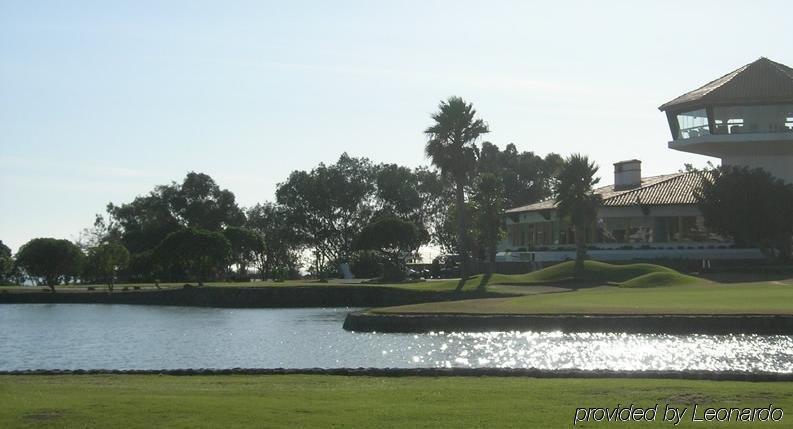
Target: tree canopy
{"type": "Point", "coordinates": [50, 259]}
{"type": "Point", "coordinates": [749, 205]}
{"type": "Point", "coordinates": [198, 202]}
{"type": "Point", "coordinates": [245, 244]}
{"type": "Point", "coordinates": [329, 205]}
{"type": "Point", "coordinates": [525, 178]}
{"type": "Point", "coordinates": [280, 242]}
{"type": "Point", "coordinates": [488, 208]}
{"type": "Point", "coordinates": [394, 239]}
{"type": "Point", "coordinates": [203, 254]}
{"type": "Point", "coordinates": [104, 261]}
{"type": "Point", "coordinates": [6, 263]}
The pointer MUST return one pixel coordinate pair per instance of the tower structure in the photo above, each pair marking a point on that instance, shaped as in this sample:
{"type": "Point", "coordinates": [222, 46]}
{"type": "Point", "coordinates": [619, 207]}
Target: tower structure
{"type": "Point", "coordinates": [744, 117]}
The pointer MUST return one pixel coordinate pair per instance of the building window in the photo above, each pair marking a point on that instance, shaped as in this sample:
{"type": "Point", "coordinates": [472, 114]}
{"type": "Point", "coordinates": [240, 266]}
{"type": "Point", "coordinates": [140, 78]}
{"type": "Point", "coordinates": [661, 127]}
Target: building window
{"type": "Point", "coordinates": [530, 234]}
{"type": "Point", "coordinates": [753, 119]}
{"type": "Point", "coordinates": [692, 124]}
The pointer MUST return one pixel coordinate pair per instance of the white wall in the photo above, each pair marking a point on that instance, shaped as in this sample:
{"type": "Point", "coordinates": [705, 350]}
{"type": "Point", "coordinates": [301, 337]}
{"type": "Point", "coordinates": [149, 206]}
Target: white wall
{"type": "Point", "coordinates": [634, 254]}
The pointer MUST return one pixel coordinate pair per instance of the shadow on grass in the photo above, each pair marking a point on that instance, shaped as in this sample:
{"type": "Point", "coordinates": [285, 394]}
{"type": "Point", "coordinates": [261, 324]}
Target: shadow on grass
{"type": "Point", "coordinates": [483, 282]}
{"type": "Point", "coordinates": [479, 288]}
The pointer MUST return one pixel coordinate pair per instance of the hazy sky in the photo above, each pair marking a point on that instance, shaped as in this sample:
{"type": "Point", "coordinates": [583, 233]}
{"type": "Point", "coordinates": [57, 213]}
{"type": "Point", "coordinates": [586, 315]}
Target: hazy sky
{"type": "Point", "coordinates": [101, 101]}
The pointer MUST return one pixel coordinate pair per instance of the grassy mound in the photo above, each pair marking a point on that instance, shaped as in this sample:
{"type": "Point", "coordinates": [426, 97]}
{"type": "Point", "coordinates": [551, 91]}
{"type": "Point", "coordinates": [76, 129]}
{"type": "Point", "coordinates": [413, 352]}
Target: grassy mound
{"type": "Point", "coordinates": [660, 279]}
{"type": "Point", "coordinates": [594, 271]}
{"type": "Point", "coordinates": [629, 276]}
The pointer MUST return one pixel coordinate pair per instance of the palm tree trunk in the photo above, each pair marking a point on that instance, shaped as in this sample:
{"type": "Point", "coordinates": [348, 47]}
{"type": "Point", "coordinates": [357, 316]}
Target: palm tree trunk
{"type": "Point", "coordinates": [462, 232]}
{"type": "Point", "coordinates": [580, 249]}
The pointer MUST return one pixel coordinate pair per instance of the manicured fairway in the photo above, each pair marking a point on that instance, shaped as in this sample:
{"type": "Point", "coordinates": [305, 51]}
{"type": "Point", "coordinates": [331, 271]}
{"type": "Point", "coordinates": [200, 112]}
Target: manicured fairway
{"type": "Point", "coordinates": [626, 289]}
{"type": "Point", "coordinates": [706, 298]}
{"type": "Point", "coordinates": [143, 401]}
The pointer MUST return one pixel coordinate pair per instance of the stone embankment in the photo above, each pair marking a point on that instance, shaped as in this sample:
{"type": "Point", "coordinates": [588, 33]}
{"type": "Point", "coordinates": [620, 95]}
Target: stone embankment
{"type": "Point", "coordinates": [710, 324]}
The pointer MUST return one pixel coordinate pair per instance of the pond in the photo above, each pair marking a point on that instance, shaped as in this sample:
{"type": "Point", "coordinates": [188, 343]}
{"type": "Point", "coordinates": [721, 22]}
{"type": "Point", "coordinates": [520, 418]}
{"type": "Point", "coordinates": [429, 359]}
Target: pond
{"type": "Point", "coordinates": [100, 336]}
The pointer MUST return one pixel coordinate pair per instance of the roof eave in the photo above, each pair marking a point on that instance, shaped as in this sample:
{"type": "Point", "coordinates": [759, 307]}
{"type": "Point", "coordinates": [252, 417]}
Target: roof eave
{"type": "Point", "coordinates": [702, 103]}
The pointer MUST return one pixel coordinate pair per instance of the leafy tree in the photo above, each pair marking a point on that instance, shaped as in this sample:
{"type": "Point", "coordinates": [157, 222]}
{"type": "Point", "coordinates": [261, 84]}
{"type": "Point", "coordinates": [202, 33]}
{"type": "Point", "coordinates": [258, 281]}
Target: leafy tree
{"type": "Point", "coordinates": [141, 225]}
{"type": "Point", "coordinates": [104, 230]}
{"type": "Point", "coordinates": [104, 262]}
{"type": "Point", "coordinates": [437, 195]}
{"type": "Point", "coordinates": [329, 206]}
{"type": "Point", "coordinates": [367, 264]}
{"type": "Point", "coordinates": [245, 244]}
{"type": "Point", "coordinates": [411, 195]}
{"type": "Point", "coordinates": [397, 190]}
{"type": "Point", "coordinates": [6, 263]}
{"type": "Point", "coordinates": [280, 240]}
{"type": "Point", "coordinates": [50, 259]}
{"type": "Point", "coordinates": [198, 202]}
{"type": "Point", "coordinates": [446, 233]}
{"type": "Point", "coordinates": [750, 205]}
{"type": "Point", "coordinates": [576, 200]}
{"type": "Point", "coordinates": [525, 177]}
{"type": "Point", "coordinates": [145, 221]}
{"type": "Point", "coordinates": [451, 146]}
{"type": "Point", "coordinates": [488, 209]}
{"type": "Point", "coordinates": [421, 196]}
{"type": "Point", "coordinates": [144, 266]}
{"type": "Point", "coordinates": [201, 253]}
{"type": "Point", "coordinates": [394, 239]}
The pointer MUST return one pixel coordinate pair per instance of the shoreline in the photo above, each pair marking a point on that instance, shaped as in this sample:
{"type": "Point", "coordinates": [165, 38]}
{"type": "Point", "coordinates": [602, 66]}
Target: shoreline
{"type": "Point", "coordinates": [250, 297]}
{"type": "Point", "coordinates": [683, 324]}
{"type": "Point", "coordinates": [432, 372]}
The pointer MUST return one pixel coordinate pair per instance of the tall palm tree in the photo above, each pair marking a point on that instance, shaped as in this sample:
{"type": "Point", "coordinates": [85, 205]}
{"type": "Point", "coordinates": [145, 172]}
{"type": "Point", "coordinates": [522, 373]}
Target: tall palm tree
{"type": "Point", "coordinates": [576, 200]}
{"type": "Point", "coordinates": [451, 145]}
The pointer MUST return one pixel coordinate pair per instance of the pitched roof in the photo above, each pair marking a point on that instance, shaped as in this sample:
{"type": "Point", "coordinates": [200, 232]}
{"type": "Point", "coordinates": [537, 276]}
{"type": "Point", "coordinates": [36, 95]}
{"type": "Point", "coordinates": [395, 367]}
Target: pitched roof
{"type": "Point", "coordinates": [668, 189]}
{"type": "Point", "coordinates": [761, 80]}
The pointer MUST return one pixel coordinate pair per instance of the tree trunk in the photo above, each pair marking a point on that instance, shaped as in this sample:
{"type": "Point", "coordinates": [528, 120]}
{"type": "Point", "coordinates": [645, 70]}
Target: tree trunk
{"type": "Point", "coordinates": [580, 249]}
{"type": "Point", "coordinates": [491, 258]}
{"type": "Point", "coordinates": [320, 266]}
{"type": "Point", "coordinates": [462, 234]}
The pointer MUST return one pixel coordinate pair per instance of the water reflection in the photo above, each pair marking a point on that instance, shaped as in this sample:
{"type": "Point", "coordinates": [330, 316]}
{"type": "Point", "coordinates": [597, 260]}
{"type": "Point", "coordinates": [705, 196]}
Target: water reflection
{"type": "Point", "coordinates": [134, 337]}
{"type": "Point", "coordinates": [555, 350]}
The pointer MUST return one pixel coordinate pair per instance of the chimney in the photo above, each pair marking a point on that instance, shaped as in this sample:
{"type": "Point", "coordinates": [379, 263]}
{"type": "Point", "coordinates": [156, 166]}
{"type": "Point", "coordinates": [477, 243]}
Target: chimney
{"type": "Point", "coordinates": [627, 174]}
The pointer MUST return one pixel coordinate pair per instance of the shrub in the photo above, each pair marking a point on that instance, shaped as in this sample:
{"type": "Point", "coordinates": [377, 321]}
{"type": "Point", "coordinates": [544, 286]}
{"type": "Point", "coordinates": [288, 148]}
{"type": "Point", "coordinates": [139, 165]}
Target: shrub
{"type": "Point", "coordinates": [393, 273]}
{"type": "Point", "coordinates": [366, 264]}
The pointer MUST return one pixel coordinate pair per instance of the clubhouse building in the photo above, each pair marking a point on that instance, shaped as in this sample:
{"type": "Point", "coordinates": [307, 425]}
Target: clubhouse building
{"type": "Point", "coordinates": [744, 118]}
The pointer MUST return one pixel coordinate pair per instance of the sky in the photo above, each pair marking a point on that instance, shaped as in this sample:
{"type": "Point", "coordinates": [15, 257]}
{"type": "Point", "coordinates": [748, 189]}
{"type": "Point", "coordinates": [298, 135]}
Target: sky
{"type": "Point", "coordinates": [101, 101]}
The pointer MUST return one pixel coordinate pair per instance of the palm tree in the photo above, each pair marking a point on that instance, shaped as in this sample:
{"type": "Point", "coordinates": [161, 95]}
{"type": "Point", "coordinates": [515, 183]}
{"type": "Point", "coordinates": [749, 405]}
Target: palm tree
{"type": "Point", "coordinates": [576, 200]}
{"type": "Point", "coordinates": [451, 146]}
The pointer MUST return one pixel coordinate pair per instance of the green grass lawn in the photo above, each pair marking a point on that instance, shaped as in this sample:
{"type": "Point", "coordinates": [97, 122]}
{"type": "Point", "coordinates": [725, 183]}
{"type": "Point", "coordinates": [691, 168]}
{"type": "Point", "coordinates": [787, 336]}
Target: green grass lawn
{"type": "Point", "coordinates": [623, 289]}
{"type": "Point", "coordinates": [740, 298]}
{"type": "Point", "coordinates": [471, 285]}
{"type": "Point", "coordinates": [631, 289]}
{"type": "Point", "coordinates": [294, 401]}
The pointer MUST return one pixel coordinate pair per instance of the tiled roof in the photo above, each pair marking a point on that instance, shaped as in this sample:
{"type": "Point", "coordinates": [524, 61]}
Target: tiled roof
{"type": "Point", "coordinates": [675, 189]}
{"type": "Point", "coordinates": [669, 189]}
{"type": "Point", "coordinates": [761, 80]}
